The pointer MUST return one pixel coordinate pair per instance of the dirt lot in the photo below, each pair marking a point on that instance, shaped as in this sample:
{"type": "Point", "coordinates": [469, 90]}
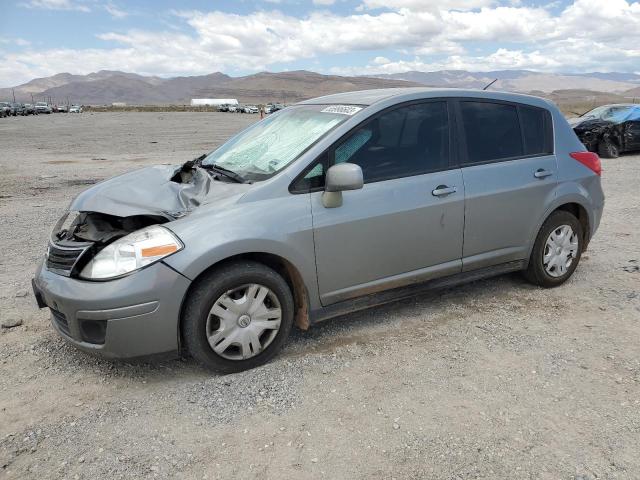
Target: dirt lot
{"type": "Point", "coordinates": [496, 379]}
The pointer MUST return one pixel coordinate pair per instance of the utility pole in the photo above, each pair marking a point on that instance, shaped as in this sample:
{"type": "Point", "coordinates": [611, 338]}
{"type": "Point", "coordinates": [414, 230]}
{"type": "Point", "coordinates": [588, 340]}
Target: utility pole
{"type": "Point", "coordinates": [32, 102]}
{"type": "Point", "coordinates": [14, 95]}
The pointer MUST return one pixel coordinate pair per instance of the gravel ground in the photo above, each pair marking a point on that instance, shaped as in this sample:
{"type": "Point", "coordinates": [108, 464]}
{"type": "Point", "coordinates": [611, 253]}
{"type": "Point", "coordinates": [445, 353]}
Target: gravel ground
{"type": "Point", "coordinates": [496, 379]}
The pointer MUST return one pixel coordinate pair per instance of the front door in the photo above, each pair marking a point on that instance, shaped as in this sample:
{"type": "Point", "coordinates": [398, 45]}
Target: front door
{"type": "Point", "coordinates": [406, 224]}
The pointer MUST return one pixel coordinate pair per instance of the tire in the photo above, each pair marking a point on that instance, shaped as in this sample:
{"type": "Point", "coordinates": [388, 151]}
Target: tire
{"type": "Point", "coordinates": [608, 149]}
{"type": "Point", "coordinates": [539, 274]}
{"type": "Point", "coordinates": [197, 316]}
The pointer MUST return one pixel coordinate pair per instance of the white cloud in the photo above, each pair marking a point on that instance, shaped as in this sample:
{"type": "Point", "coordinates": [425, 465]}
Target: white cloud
{"type": "Point", "coordinates": [424, 5]}
{"type": "Point", "coordinates": [21, 42]}
{"type": "Point", "coordinates": [114, 11]}
{"type": "Point", "coordinates": [56, 5]}
{"type": "Point", "coordinates": [324, 2]}
{"type": "Point", "coordinates": [428, 35]}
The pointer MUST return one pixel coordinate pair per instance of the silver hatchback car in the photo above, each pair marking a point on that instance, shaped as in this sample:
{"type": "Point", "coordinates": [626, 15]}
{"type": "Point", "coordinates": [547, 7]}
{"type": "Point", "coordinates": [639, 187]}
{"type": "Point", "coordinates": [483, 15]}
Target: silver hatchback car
{"type": "Point", "coordinates": [329, 206]}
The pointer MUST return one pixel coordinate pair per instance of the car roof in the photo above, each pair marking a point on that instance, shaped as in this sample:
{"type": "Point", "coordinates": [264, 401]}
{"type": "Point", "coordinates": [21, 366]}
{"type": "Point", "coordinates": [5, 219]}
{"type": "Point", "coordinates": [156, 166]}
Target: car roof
{"type": "Point", "coordinates": [370, 97]}
{"type": "Point", "coordinates": [622, 105]}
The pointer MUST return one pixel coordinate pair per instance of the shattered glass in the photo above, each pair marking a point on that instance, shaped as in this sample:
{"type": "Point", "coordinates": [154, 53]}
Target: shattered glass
{"type": "Point", "coordinates": [271, 144]}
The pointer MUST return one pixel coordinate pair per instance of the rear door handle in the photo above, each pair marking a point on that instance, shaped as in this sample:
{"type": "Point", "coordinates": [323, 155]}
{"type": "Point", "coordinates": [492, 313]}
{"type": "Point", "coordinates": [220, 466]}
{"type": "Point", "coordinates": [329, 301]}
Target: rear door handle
{"type": "Point", "coordinates": [542, 173]}
{"type": "Point", "coordinates": [442, 190]}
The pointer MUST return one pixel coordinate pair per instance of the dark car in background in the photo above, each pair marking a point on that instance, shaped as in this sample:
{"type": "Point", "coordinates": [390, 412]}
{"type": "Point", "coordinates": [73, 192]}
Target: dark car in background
{"type": "Point", "coordinates": [5, 109]}
{"type": "Point", "coordinates": [609, 130]}
{"type": "Point", "coordinates": [18, 109]}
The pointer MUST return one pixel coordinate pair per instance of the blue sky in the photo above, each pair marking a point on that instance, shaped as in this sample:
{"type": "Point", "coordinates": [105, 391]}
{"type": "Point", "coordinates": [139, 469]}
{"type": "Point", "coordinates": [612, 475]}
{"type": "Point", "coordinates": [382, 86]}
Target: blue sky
{"type": "Point", "coordinates": [43, 37]}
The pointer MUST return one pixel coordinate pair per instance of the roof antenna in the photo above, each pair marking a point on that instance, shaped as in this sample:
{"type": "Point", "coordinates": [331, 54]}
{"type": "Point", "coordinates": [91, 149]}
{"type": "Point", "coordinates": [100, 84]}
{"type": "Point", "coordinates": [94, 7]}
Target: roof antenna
{"type": "Point", "coordinates": [490, 84]}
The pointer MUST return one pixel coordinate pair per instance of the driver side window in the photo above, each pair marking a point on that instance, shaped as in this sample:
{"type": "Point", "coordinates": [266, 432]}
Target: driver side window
{"type": "Point", "coordinates": [409, 140]}
{"type": "Point", "coordinates": [406, 141]}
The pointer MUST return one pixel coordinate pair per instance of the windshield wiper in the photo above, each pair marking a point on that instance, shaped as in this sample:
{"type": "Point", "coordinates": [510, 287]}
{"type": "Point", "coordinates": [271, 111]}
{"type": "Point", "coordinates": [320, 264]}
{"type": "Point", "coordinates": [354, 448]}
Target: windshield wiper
{"type": "Point", "coordinates": [226, 172]}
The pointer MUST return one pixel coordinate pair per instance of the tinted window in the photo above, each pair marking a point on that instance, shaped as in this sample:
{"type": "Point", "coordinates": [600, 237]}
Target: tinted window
{"type": "Point", "coordinates": [312, 177]}
{"type": "Point", "coordinates": [536, 127]}
{"type": "Point", "coordinates": [406, 141]}
{"type": "Point", "coordinates": [492, 131]}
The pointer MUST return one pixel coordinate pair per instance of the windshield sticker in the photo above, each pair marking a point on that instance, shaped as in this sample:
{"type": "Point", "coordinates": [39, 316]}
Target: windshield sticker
{"type": "Point", "coordinates": [343, 109]}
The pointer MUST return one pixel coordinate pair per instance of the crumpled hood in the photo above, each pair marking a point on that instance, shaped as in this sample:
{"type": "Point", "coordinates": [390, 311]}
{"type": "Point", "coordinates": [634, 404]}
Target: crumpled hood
{"type": "Point", "coordinates": [587, 123]}
{"type": "Point", "coordinates": [151, 191]}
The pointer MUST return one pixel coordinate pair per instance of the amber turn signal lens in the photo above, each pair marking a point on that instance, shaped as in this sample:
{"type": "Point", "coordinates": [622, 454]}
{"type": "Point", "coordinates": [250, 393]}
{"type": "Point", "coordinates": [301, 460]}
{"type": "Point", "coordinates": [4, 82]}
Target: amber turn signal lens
{"type": "Point", "coordinates": [159, 250]}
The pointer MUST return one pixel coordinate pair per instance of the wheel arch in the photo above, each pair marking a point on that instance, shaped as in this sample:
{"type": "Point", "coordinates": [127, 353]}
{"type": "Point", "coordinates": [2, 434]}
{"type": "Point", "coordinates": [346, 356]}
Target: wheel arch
{"type": "Point", "coordinates": [577, 206]}
{"type": "Point", "coordinates": [281, 265]}
{"type": "Point", "coordinates": [580, 212]}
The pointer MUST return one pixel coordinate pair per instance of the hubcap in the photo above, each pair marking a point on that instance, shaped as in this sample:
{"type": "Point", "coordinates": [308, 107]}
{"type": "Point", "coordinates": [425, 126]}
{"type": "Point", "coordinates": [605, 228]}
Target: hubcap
{"type": "Point", "coordinates": [243, 321]}
{"type": "Point", "coordinates": [560, 251]}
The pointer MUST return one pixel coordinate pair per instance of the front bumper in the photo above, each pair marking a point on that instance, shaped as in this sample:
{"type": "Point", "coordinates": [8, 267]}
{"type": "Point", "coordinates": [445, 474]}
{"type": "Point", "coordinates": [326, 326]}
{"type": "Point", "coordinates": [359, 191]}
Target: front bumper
{"type": "Point", "coordinates": [132, 316]}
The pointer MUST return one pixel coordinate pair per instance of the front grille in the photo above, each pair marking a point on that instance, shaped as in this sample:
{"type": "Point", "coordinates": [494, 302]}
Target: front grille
{"type": "Point", "coordinates": [61, 322]}
{"type": "Point", "coordinates": [62, 259]}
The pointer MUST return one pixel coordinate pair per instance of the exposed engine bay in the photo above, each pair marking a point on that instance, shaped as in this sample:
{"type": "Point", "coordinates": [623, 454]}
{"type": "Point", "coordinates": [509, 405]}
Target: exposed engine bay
{"type": "Point", "coordinates": [101, 228]}
{"type": "Point", "coordinates": [128, 203]}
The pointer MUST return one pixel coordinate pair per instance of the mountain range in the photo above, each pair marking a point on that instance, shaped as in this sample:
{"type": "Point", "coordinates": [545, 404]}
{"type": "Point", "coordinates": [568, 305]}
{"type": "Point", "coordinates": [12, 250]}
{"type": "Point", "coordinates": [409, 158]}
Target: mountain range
{"type": "Point", "coordinates": [106, 86]}
{"type": "Point", "coordinates": [523, 80]}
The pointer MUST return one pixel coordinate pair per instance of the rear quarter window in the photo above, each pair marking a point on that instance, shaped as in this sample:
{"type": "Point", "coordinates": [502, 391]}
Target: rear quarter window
{"type": "Point", "coordinates": [501, 131]}
{"type": "Point", "coordinates": [536, 129]}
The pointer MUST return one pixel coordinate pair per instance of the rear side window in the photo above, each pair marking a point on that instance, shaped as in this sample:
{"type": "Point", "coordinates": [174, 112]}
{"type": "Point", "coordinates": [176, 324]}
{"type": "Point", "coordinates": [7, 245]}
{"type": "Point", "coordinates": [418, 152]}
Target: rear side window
{"type": "Point", "coordinates": [536, 130]}
{"type": "Point", "coordinates": [492, 131]}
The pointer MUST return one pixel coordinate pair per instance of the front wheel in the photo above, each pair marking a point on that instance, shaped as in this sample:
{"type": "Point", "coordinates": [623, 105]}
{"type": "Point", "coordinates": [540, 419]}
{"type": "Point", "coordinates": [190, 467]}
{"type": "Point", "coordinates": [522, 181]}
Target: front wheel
{"type": "Point", "coordinates": [237, 317]}
{"type": "Point", "coordinates": [557, 250]}
{"type": "Point", "coordinates": [608, 149]}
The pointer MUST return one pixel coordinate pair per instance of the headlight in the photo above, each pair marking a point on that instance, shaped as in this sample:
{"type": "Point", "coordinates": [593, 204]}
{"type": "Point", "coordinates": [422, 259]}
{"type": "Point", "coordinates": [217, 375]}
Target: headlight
{"type": "Point", "coordinates": [130, 253]}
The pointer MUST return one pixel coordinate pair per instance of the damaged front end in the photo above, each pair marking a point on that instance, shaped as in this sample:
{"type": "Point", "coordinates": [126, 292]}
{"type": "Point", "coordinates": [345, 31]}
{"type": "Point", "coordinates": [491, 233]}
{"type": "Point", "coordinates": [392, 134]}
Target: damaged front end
{"type": "Point", "coordinates": [88, 241]}
{"type": "Point", "coordinates": [593, 132]}
{"type": "Point", "coordinates": [78, 237]}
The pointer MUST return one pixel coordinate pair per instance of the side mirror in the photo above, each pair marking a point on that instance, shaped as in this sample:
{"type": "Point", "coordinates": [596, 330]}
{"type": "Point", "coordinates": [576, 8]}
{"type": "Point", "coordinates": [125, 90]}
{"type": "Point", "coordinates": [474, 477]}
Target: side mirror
{"type": "Point", "coordinates": [341, 177]}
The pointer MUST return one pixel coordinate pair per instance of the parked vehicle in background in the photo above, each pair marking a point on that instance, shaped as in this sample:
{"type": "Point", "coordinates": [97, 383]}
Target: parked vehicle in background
{"type": "Point", "coordinates": [5, 109]}
{"type": "Point", "coordinates": [299, 218]}
{"type": "Point", "coordinates": [610, 129]}
{"type": "Point", "coordinates": [62, 109]}
{"type": "Point", "coordinates": [233, 108]}
{"type": "Point", "coordinates": [30, 109]}
{"type": "Point", "coordinates": [10, 109]}
{"type": "Point", "coordinates": [223, 108]}
{"type": "Point", "coordinates": [18, 109]}
{"type": "Point", "coordinates": [75, 109]}
{"type": "Point", "coordinates": [43, 107]}
{"type": "Point", "coordinates": [250, 109]}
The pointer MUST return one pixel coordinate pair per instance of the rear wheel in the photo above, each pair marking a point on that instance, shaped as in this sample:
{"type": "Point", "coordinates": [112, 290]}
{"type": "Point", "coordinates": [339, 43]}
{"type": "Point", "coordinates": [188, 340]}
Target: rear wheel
{"type": "Point", "coordinates": [557, 250]}
{"type": "Point", "coordinates": [608, 149]}
{"type": "Point", "coordinates": [237, 317]}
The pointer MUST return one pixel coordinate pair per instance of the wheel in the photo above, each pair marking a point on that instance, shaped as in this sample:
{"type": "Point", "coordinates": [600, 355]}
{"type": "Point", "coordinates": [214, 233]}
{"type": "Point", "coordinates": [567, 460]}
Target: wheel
{"type": "Point", "coordinates": [608, 149]}
{"type": "Point", "coordinates": [237, 317]}
{"type": "Point", "coordinates": [557, 250]}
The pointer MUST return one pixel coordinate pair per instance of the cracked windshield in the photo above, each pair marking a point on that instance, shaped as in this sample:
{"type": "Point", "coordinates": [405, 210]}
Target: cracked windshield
{"type": "Point", "coordinates": [271, 144]}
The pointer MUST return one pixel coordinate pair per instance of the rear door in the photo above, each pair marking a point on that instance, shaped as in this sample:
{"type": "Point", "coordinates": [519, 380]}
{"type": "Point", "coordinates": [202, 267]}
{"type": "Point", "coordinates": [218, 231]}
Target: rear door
{"type": "Point", "coordinates": [510, 174]}
{"type": "Point", "coordinates": [406, 224]}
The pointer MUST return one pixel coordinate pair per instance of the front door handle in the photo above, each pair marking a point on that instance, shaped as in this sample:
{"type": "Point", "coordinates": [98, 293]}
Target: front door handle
{"type": "Point", "coordinates": [542, 173]}
{"type": "Point", "coordinates": [442, 190]}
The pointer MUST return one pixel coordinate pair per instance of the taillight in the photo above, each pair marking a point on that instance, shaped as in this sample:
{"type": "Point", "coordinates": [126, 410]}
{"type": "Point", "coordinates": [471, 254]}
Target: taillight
{"type": "Point", "coordinates": [588, 159]}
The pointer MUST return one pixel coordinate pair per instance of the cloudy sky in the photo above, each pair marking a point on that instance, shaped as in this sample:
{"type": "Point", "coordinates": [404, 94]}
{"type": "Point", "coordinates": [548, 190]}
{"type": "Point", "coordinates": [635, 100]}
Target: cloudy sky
{"type": "Point", "coordinates": [43, 37]}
